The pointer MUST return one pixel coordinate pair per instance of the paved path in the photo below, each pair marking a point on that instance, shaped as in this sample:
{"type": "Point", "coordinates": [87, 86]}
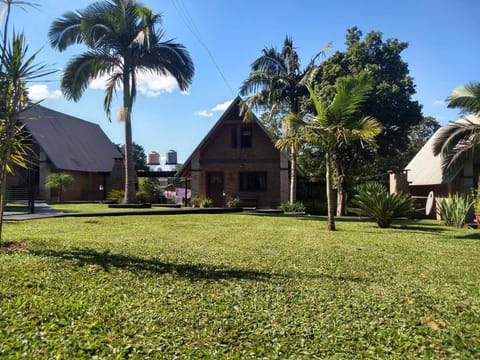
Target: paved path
{"type": "Point", "coordinates": [42, 210]}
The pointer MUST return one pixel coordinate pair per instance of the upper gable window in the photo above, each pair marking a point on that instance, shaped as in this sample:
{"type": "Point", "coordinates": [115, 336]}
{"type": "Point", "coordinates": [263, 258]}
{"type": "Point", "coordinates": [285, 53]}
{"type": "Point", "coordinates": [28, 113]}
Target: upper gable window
{"type": "Point", "coordinates": [246, 137]}
{"type": "Point", "coordinates": [233, 137]}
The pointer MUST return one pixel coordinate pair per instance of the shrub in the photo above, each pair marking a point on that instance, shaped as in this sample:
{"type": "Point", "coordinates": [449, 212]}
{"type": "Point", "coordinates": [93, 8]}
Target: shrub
{"type": "Point", "coordinates": [476, 198]}
{"type": "Point", "coordinates": [206, 203]}
{"type": "Point", "coordinates": [454, 209]}
{"type": "Point", "coordinates": [116, 195]}
{"type": "Point", "coordinates": [149, 191]}
{"type": "Point", "coordinates": [295, 207]}
{"type": "Point", "coordinates": [233, 201]}
{"type": "Point", "coordinates": [194, 201]}
{"type": "Point", "coordinates": [373, 200]}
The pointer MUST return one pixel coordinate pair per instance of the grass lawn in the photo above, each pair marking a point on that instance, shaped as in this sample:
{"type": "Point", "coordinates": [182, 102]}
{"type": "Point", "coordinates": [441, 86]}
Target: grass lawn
{"type": "Point", "coordinates": [97, 207]}
{"type": "Point", "coordinates": [238, 286]}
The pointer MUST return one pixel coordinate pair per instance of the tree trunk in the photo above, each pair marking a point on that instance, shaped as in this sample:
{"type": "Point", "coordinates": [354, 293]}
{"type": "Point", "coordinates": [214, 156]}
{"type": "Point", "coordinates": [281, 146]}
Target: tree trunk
{"type": "Point", "coordinates": [340, 195]}
{"type": "Point", "coordinates": [293, 175]}
{"type": "Point", "coordinates": [328, 178]}
{"type": "Point", "coordinates": [130, 196]}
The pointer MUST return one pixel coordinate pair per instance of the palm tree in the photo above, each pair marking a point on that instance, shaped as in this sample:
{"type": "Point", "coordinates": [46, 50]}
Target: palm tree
{"type": "Point", "coordinates": [338, 124]}
{"type": "Point", "coordinates": [59, 181]}
{"type": "Point", "coordinates": [122, 40]}
{"type": "Point", "coordinates": [277, 82]}
{"type": "Point", "coordinates": [457, 141]}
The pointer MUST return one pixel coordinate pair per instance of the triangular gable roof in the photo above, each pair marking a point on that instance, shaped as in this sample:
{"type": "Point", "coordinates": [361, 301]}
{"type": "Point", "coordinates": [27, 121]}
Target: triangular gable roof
{"type": "Point", "coordinates": [425, 168]}
{"type": "Point", "coordinates": [236, 104]}
{"type": "Point", "coordinates": [70, 143]}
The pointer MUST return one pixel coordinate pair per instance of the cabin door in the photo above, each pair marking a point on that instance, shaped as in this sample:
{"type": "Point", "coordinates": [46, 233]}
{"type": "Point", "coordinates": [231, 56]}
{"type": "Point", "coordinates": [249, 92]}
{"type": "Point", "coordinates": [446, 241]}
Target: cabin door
{"type": "Point", "coordinates": [215, 188]}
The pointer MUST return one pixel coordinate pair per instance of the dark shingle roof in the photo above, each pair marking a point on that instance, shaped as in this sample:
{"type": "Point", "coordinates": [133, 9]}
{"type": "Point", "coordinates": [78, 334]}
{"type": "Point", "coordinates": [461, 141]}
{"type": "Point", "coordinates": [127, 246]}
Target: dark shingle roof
{"type": "Point", "coordinates": [70, 143]}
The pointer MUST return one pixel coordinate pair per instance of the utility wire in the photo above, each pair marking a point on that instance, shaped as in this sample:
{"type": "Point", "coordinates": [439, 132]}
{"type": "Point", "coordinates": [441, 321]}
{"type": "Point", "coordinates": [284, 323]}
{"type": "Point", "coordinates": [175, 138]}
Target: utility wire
{"type": "Point", "coordinates": [190, 24]}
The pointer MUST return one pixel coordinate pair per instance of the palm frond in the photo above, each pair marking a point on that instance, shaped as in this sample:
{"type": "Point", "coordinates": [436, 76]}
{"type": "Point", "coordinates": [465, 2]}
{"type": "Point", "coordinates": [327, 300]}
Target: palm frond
{"type": "Point", "coordinates": [466, 98]}
{"type": "Point", "coordinates": [81, 69]}
{"type": "Point", "coordinates": [65, 31]}
{"type": "Point", "coordinates": [170, 58]}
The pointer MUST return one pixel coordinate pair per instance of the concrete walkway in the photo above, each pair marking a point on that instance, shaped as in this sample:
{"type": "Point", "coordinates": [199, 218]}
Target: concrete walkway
{"type": "Point", "coordinates": [42, 210]}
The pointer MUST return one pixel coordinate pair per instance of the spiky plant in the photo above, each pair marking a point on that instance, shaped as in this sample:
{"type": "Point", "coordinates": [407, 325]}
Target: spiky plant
{"type": "Point", "coordinates": [454, 209]}
{"type": "Point", "coordinates": [373, 200]}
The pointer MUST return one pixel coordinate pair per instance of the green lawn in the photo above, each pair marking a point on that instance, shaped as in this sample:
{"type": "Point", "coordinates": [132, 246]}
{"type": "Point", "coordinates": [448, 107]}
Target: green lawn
{"type": "Point", "coordinates": [238, 286]}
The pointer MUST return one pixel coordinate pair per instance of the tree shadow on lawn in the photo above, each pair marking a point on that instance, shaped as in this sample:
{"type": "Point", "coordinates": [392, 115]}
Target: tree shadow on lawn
{"type": "Point", "coordinates": [474, 235]}
{"type": "Point", "coordinates": [108, 261]}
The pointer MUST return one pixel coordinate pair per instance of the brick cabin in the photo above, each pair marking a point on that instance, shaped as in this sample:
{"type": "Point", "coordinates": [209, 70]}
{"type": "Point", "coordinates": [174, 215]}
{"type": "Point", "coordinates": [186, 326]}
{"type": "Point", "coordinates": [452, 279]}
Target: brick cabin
{"type": "Point", "coordinates": [63, 143]}
{"type": "Point", "coordinates": [238, 159]}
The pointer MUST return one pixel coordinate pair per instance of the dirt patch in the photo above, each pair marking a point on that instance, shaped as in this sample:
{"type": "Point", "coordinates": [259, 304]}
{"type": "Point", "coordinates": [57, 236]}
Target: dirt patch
{"type": "Point", "coordinates": [12, 246]}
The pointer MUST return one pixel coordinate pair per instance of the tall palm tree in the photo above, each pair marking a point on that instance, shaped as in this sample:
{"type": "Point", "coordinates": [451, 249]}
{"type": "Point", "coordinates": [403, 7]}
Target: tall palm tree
{"type": "Point", "coordinates": [277, 82]}
{"type": "Point", "coordinates": [122, 39]}
{"type": "Point", "coordinates": [338, 124]}
{"type": "Point", "coordinates": [457, 141]}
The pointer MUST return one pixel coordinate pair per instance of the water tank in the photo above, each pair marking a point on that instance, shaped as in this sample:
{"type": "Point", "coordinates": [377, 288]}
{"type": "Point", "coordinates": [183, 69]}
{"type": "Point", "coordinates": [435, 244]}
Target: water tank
{"type": "Point", "coordinates": [171, 157]}
{"type": "Point", "coordinates": [153, 158]}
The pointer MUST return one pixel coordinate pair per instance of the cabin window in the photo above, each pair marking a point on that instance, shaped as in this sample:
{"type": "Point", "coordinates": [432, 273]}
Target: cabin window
{"type": "Point", "coordinates": [253, 181]}
{"type": "Point", "coordinates": [246, 137]}
{"type": "Point", "coordinates": [233, 137]}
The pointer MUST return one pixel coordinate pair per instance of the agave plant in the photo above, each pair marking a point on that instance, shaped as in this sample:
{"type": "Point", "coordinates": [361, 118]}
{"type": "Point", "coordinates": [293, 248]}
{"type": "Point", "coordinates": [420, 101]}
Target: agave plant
{"type": "Point", "coordinates": [454, 209]}
{"type": "Point", "coordinates": [373, 200]}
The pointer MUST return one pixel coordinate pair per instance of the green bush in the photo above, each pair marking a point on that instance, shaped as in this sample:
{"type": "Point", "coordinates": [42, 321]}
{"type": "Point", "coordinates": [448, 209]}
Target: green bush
{"type": "Point", "coordinates": [149, 191]}
{"type": "Point", "coordinates": [295, 207]}
{"type": "Point", "coordinates": [116, 195]}
{"type": "Point", "coordinates": [206, 203]}
{"type": "Point", "coordinates": [454, 209]}
{"type": "Point", "coordinates": [194, 201]}
{"type": "Point", "coordinates": [373, 200]}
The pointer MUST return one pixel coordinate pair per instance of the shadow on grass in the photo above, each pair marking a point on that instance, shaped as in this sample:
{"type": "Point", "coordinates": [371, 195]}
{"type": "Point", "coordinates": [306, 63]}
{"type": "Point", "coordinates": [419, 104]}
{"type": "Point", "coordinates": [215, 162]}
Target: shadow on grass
{"type": "Point", "coordinates": [108, 261]}
{"type": "Point", "coordinates": [472, 236]}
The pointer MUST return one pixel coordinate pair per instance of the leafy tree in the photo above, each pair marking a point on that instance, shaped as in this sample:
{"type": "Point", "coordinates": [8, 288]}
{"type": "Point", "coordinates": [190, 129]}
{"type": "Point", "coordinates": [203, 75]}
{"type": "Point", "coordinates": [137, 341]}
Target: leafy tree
{"type": "Point", "coordinates": [59, 181]}
{"type": "Point", "coordinates": [457, 141]}
{"type": "Point", "coordinates": [16, 69]}
{"type": "Point", "coordinates": [373, 200]}
{"type": "Point", "coordinates": [139, 156]}
{"type": "Point", "coordinates": [390, 100]}
{"type": "Point", "coordinates": [122, 39]}
{"type": "Point", "coordinates": [277, 82]}
{"type": "Point", "coordinates": [419, 134]}
{"type": "Point", "coordinates": [337, 124]}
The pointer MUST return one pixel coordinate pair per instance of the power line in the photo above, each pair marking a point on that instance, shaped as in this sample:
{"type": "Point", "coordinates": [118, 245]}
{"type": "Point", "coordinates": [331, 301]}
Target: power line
{"type": "Point", "coordinates": [190, 24]}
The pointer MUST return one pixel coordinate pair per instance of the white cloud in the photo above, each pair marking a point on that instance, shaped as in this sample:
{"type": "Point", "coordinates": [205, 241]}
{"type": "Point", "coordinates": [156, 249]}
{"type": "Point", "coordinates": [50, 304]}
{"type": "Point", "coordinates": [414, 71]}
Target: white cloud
{"type": "Point", "coordinates": [217, 108]}
{"type": "Point", "coordinates": [439, 102]}
{"type": "Point", "coordinates": [148, 84]}
{"type": "Point", "coordinates": [223, 106]}
{"type": "Point", "coordinates": [41, 92]}
{"type": "Point", "coordinates": [204, 113]}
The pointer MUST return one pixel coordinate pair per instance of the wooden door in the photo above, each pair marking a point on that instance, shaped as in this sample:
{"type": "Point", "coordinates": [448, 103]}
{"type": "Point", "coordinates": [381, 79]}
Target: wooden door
{"type": "Point", "coordinates": [215, 188]}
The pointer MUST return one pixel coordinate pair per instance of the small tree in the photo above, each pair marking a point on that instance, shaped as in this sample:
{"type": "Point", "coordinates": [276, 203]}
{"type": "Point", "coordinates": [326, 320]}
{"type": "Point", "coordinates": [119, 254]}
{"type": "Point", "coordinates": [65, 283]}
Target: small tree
{"type": "Point", "coordinates": [16, 69]}
{"type": "Point", "coordinates": [59, 181]}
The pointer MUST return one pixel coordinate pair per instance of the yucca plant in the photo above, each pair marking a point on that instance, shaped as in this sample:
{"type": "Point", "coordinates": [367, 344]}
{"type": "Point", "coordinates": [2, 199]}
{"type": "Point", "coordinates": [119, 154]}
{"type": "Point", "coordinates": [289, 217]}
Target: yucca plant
{"type": "Point", "coordinates": [454, 209]}
{"type": "Point", "coordinates": [373, 200]}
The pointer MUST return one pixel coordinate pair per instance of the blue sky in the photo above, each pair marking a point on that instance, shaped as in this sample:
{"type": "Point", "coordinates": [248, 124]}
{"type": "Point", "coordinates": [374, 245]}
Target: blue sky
{"type": "Point", "coordinates": [443, 53]}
